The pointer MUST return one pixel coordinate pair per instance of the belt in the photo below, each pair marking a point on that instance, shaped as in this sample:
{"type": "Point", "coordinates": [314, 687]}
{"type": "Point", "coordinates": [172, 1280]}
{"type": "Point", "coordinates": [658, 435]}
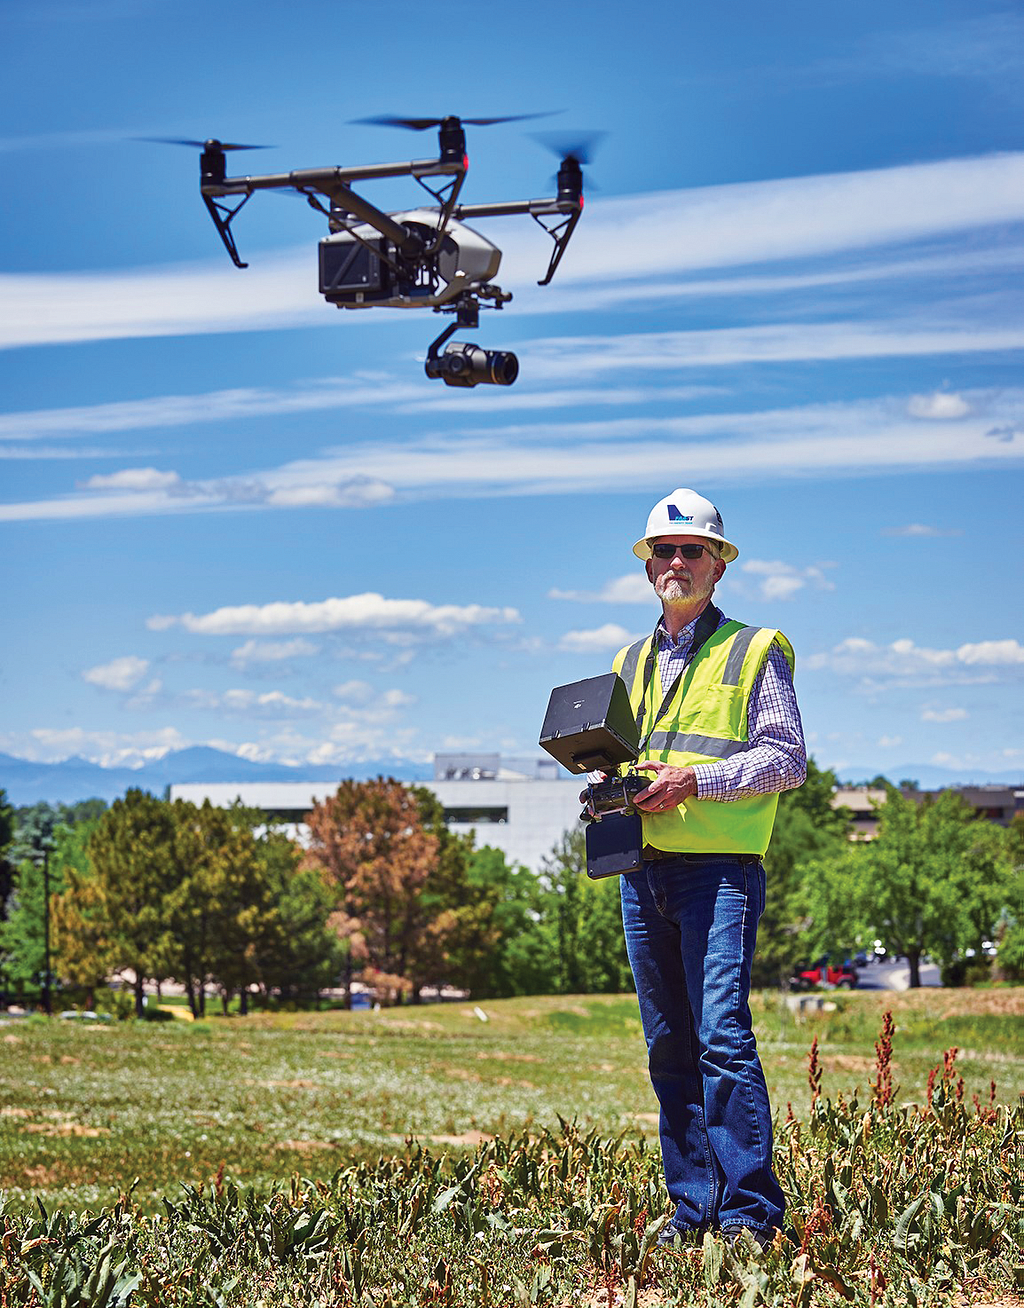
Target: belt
{"type": "Point", "coordinates": [652, 855]}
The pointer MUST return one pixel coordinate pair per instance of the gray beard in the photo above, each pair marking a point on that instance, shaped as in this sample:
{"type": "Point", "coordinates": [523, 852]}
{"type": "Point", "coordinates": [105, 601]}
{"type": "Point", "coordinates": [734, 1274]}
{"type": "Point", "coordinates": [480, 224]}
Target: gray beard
{"type": "Point", "coordinates": [670, 590]}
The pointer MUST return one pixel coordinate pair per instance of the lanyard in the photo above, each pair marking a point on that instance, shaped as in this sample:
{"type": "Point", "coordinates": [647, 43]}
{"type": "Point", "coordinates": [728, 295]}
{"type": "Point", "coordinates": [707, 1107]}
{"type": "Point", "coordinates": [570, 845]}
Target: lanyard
{"type": "Point", "coordinates": [707, 625]}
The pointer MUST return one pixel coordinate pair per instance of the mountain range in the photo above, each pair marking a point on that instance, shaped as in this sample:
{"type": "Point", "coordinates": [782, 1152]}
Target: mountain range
{"type": "Point", "coordinates": [27, 782]}
{"type": "Point", "coordinates": [72, 779]}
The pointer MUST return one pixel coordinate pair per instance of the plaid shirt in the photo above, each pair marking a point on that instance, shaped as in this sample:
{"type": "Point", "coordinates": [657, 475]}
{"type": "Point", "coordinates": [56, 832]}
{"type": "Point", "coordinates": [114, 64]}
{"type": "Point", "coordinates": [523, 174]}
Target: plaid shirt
{"type": "Point", "coordinates": [777, 757]}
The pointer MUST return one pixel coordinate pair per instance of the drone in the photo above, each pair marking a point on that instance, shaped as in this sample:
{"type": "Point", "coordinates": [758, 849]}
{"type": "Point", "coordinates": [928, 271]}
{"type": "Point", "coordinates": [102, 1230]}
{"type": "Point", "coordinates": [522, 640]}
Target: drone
{"type": "Point", "coordinates": [426, 258]}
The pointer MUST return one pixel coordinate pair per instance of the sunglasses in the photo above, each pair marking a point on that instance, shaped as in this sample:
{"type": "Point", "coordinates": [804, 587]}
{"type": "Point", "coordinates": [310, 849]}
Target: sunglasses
{"type": "Point", "coordinates": [662, 550]}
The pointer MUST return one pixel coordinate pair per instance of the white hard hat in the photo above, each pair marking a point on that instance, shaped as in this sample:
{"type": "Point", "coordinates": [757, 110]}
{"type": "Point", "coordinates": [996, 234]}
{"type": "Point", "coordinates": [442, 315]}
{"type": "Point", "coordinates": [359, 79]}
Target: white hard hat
{"type": "Point", "coordinates": [685, 513]}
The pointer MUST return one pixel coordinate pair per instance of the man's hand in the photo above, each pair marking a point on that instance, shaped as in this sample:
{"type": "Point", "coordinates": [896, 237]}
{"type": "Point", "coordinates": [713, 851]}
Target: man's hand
{"type": "Point", "coordinates": [670, 787]}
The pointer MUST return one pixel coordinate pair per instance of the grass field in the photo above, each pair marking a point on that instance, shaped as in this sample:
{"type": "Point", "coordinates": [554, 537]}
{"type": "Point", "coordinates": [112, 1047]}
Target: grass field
{"type": "Point", "coordinates": [236, 1105]}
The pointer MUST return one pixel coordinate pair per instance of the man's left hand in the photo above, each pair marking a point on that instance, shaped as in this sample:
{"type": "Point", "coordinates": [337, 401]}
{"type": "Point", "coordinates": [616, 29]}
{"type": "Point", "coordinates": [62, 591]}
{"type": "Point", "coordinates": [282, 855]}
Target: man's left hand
{"type": "Point", "coordinates": [670, 787]}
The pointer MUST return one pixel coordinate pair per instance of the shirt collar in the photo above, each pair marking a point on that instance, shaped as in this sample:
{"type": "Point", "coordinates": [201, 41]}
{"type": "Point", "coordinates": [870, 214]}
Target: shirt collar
{"type": "Point", "coordinates": [684, 639]}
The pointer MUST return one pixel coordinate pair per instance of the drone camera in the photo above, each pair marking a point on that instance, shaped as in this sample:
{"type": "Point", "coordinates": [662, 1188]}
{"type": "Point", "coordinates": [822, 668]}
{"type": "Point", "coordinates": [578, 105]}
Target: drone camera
{"type": "Point", "coordinates": [466, 364]}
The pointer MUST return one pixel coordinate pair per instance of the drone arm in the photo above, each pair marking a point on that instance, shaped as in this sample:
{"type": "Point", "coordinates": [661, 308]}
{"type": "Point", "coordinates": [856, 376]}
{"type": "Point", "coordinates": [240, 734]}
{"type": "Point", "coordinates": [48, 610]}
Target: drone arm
{"type": "Point", "coordinates": [569, 206]}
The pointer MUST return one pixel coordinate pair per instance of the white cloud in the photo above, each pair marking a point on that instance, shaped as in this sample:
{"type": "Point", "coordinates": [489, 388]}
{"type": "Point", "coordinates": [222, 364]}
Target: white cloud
{"type": "Point", "coordinates": [608, 637]}
{"type": "Point", "coordinates": [903, 662]}
{"type": "Point", "coordinates": [890, 742]}
{"type": "Point", "coordinates": [133, 479]}
{"type": "Point", "coordinates": [920, 529]}
{"type": "Point", "coordinates": [938, 405]}
{"type": "Point", "coordinates": [395, 618]}
{"type": "Point", "coordinates": [781, 581]}
{"type": "Point", "coordinates": [108, 748]}
{"type": "Point", "coordinates": [271, 703]}
{"type": "Point", "coordinates": [633, 588]}
{"type": "Point", "coordinates": [394, 699]}
{"type": "Point", "coordinates": [357, 493]}
{"type": "Point", "coordinates": [121, 674]}
{"type": "Point", "coordinates": [943, 715]}
{"type": "Point", "coordinates": [271, 651]}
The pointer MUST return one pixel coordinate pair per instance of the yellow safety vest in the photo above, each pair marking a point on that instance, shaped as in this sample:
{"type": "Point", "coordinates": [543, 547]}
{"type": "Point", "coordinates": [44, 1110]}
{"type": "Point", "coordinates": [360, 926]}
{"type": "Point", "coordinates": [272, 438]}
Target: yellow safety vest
{"type": "Point", "coordinates": [705, 721]}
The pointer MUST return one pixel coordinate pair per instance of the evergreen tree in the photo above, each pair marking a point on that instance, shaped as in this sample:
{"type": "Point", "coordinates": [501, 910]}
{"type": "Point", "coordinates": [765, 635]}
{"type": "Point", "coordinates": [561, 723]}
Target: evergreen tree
{"type": "Point", "coordinates": [114, 917]}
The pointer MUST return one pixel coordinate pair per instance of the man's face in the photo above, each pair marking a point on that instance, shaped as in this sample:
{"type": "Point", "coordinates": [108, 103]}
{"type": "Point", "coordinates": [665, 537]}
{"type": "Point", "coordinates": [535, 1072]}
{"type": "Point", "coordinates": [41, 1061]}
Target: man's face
{"type": "Point", "coordinates": [678, 580]}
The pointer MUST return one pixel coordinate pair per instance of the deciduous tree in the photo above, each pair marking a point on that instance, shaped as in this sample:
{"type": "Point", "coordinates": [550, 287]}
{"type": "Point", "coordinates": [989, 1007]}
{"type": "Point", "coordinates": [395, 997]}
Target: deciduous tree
{"type": "Point", "coordinates": [370, 842]}
{"type": "Point", "coordinates": [932, 881]}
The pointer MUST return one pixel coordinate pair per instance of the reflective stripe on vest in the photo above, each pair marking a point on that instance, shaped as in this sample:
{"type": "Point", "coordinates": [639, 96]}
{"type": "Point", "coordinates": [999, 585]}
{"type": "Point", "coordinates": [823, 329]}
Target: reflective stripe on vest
{"type": "Point", "coordinates": [705, 722]}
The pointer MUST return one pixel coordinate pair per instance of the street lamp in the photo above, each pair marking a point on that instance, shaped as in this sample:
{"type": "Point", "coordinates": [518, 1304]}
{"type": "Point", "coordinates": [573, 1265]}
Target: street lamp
{"type": "Point", "coordinates": [44, 850]}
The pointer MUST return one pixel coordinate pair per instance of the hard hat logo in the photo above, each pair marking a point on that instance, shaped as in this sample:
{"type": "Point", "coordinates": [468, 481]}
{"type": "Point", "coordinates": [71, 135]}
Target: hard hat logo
{"type": "Point", "coordinates": [685, 513]}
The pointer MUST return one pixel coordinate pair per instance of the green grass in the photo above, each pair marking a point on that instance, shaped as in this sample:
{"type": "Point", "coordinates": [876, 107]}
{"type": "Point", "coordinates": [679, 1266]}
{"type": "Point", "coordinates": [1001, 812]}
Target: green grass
{"type": "Point", "coordinates": [84, 1110]}
{"type": "Point", "coordinates": [217, 1120]}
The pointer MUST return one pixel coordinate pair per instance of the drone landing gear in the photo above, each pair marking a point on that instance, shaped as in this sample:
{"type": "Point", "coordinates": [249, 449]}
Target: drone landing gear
{"type": "Point", "coordinates": [466, 364]}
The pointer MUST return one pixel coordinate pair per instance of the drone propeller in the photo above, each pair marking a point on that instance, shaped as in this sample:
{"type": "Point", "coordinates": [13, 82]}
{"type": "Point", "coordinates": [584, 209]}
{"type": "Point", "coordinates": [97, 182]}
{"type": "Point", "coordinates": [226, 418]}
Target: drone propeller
{"type": "Point", "coordinates": [200, 145]}
{"type": "Point", "coordinates": [579, 146]}
{"type": "Point", "coordinates": [422, 124]}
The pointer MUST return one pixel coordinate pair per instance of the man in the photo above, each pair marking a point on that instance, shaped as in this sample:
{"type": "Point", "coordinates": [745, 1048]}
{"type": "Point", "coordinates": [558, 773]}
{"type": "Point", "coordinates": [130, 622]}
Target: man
{"type": "Point", "coordinates": [720, 730]}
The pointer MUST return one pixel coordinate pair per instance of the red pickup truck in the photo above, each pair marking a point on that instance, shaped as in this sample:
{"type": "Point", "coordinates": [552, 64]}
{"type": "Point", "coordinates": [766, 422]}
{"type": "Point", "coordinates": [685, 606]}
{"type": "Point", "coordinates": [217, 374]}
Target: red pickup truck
{"type": "Point", "coordinates": [842, 976]}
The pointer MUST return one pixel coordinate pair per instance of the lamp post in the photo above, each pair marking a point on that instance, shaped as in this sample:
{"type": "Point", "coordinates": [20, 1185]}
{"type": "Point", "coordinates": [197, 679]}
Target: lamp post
{"type": "Point", "coordinates": [44, 850]}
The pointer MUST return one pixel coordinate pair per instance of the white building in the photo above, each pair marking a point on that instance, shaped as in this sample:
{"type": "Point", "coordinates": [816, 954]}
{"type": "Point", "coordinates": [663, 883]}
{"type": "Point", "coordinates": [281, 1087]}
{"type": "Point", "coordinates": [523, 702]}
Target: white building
{"type": "Point", "coordinates": [523, 810]}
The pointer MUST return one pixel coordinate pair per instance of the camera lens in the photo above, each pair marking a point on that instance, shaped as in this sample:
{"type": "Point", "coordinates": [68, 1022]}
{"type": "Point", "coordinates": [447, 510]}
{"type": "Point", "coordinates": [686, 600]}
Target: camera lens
{"type": "Point", "coordinates": [466, 364]}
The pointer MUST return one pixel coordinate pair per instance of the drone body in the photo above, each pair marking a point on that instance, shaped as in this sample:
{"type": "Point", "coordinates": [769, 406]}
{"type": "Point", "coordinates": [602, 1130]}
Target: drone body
{"type": "Point", "coordinates": [427, 258]}
{"type": "Point", "coordinates": [359, 268]}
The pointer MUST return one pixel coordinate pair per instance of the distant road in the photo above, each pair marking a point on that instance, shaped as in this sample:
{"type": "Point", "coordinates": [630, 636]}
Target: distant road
{"type": "Point", "coordinates": [895, 976]}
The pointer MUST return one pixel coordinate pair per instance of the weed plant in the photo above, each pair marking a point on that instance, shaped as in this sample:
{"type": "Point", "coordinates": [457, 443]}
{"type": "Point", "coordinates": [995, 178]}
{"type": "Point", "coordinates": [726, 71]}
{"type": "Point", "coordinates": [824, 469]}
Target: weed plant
{"type": "Point", "coordinates": [890, 1203]}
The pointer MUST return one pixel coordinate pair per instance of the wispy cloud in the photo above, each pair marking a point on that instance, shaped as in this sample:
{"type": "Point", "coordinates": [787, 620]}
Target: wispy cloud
{"type": "Point", "coordinates": [943, 715]}
{"type": "Point", "coordinates": [988, 45]}
{"type": "Point", "coordinates": [921, 530]}
{"type": "Point", "coordinates": [616, 453]}
{"type": "Point", "coordinates": [133, 479]}
{"type": "Point", "coordinates": [633, 588]}
{"type": "Point", "coordinates": [626, 238]}
{"type": "Point", "coordinates": [272, 651]}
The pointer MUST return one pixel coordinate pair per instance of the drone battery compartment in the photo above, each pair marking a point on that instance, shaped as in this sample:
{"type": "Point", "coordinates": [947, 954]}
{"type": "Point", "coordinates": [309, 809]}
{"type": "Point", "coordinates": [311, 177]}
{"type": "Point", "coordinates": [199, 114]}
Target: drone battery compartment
{"type": "Point", "coordinates": [349, 269]}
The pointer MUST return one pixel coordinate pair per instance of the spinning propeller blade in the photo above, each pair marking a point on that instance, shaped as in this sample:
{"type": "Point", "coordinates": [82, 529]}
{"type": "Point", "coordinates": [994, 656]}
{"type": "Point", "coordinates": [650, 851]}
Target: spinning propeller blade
{"type": "Point", "coordinates": [422, 124]}
{"type": "Point", "coordinates": [581, 146]}
{"type": "Point", "coordinates": [200, 145]}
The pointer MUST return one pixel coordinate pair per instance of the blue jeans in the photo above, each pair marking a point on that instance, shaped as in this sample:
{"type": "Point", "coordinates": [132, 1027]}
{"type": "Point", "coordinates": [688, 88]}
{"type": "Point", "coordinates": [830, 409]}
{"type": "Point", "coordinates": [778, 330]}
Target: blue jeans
{"type": "Point", "coordinates": [691, 925]}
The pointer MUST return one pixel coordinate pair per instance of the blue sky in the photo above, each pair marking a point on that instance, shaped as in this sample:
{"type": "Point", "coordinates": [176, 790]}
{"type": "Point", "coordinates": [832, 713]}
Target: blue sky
{"type": "Point", "coordinates": [233, 515]}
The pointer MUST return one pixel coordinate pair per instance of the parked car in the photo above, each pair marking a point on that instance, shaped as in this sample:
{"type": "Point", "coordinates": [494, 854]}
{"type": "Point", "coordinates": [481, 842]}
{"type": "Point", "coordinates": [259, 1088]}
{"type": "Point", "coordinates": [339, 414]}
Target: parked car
{"type": "Point", "coordinates": [826, 975]}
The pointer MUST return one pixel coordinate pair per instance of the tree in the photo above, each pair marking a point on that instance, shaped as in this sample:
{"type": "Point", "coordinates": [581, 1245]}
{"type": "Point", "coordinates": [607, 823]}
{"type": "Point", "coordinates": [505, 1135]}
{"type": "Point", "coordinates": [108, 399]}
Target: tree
{"type": "Point", "coordinates": [22, 935]}
{"type": "Point", "coordinates": [370, 842]}
{"type": "Point", "coordinates": [297, 954]}
{"type": "Point", "coordinates": [577, 944]}
{"type": "Point", "coordinates": [1009, 934]}
{"type": "Point", "coordinates": [219, 904]}
{"type": "Point", "coordinates": [933, 880]}
{"type": "Point", "coordinates": [807, 826]}
{"type": "Point", "coordinates": [114, 917]}
{"type": "Point", "coordinates": [7, 827]}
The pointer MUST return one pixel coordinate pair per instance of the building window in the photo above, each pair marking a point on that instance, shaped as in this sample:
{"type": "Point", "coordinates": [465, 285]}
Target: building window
{"type": "Point", "coordinates": [475, 816]}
